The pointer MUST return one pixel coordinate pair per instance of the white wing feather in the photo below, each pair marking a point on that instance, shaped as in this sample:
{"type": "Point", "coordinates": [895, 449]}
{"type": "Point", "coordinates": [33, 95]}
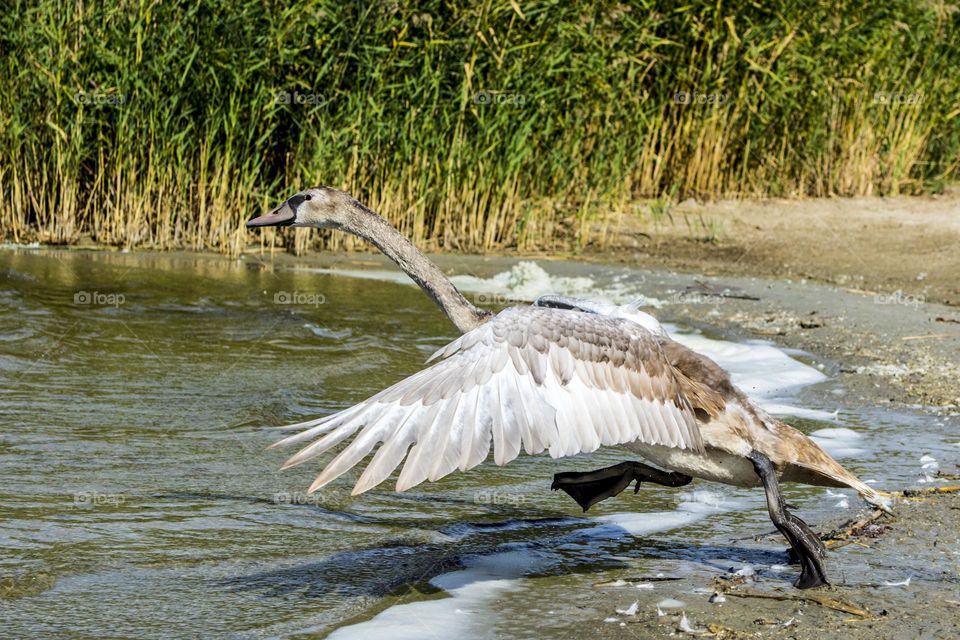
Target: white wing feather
{"type": "Point", "coordinates": [532, 378]}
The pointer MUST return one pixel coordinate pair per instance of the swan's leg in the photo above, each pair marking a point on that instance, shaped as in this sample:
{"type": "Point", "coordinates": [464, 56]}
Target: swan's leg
{"type": "Point", "coordinates": [805, 543]}
{"type": "Point", "coordinates": [794, 558]}
{"type": "Point", "coordinates": [591, 487]}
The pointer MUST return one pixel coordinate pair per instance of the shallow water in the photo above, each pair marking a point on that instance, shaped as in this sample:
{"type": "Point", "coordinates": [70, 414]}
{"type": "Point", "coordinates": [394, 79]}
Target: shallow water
{"type": "Point", "coordinates": [137, 494]}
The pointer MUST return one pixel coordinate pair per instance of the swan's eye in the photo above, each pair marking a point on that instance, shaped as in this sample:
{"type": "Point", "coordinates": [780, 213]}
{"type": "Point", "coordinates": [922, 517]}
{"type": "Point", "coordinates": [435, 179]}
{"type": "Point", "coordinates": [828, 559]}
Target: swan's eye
{"type": "Point", "coordinates": [308, 197]}
{"type": "Point", "coordinates": [296, 200]}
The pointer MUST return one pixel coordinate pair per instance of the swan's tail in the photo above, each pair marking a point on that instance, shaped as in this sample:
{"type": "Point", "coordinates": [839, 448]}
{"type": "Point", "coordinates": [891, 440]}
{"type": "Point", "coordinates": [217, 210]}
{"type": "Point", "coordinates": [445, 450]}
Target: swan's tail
{"type": "Point", "coordinates": [812, 465]}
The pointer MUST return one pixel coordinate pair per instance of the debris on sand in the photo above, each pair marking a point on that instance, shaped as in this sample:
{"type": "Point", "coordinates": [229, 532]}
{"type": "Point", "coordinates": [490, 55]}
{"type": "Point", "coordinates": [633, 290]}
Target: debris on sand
{"type": "Point", "coordinates": [775, 623]}
{"type": "Point", "coordinates": [631, 610]}
{"type": "Point", "coordinates": [815, 598]}
{"type": "Point", "coordinates": [912, 493]}
{"type": "Point", "coordinates": [812, 322]}
{"type": "Point", "coordinates": [901, 583]}
{"type": "Point", "coordinates": [686, 627]}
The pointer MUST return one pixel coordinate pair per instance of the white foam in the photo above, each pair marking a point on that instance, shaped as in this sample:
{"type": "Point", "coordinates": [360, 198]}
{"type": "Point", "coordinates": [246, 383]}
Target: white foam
{"type": "Point", "coordinates": [928, 463]}
{"type": "Point", "coordinates": [381, 275]}
{"type": "Point", "coordinates": [525, 281]}
{"type": "Point", "coordinates": [460, 615]}
{"type": "Point", "coordinates": [671, 603]}
{"type": "Point", "coordinates": [779, 409]}
{"type": "Point", "coordinates": [693, 506]}
{"type": "Point", "coordinates": [839, 442]}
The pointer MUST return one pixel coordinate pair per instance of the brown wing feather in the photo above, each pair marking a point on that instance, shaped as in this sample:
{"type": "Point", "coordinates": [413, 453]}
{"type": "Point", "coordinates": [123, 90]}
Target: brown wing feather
{"type": "Point", "coordinates": [705, 384]}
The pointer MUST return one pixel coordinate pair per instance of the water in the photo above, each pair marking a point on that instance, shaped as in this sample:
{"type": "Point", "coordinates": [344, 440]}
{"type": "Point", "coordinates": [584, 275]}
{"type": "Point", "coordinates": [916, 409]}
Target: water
{"type": "Point", "coordinates": [137, 495]}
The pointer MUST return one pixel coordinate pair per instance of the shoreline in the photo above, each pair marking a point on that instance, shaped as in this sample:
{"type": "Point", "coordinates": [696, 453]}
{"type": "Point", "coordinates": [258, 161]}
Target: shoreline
{"type": "Point", "coordinates": [902, 245]}
{"type": "Point", "coordinates": [887, 329]}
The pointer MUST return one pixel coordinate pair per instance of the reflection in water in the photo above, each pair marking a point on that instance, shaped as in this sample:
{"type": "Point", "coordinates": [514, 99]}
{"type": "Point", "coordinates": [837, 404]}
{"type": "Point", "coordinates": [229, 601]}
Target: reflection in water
{"type": "Point", "coordinates": [136, 392]}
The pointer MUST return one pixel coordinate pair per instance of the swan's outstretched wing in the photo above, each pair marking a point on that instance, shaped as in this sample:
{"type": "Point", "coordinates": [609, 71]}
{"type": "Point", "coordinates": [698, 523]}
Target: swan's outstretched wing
{"type": "Point", "coordinates": [540, 378]}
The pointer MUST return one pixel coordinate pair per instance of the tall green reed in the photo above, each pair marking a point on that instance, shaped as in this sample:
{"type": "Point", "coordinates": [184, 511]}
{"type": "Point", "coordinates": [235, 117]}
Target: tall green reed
{"type": "Point", "coordinates": [528, 124]}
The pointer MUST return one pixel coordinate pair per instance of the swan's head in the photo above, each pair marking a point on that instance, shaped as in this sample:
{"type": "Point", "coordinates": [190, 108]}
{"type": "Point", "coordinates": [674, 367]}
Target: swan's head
{"type": "Point", "coordinates": [321, 207]}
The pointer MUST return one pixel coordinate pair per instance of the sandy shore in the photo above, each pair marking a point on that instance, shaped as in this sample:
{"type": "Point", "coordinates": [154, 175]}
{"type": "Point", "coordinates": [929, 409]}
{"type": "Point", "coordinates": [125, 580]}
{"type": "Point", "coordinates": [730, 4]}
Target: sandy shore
{"type": "Point", "coordinates": [922, 543]}
{"type": "Point", "coordinates": [874, 245]}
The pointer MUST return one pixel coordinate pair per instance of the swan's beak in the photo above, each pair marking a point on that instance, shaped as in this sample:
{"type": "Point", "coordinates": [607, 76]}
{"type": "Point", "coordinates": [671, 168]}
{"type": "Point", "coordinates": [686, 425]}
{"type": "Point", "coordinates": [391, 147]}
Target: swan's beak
{"type": "Point", "coordinates": [282, 216]}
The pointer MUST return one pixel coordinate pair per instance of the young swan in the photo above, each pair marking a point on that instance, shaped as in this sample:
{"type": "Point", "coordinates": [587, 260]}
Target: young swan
{"type": "Point", "coordinates": [563, 375]}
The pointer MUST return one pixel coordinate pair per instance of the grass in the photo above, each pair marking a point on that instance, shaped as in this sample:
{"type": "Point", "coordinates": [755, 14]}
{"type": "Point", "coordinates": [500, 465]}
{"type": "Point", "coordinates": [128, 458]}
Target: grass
{"type": "Point", "coordinates": [142, 123]}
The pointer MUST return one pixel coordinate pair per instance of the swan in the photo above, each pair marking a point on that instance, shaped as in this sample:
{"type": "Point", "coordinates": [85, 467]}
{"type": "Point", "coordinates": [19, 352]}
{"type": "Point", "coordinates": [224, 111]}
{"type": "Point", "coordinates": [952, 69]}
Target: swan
{"type": "Point", "coordinates": [563, 375]}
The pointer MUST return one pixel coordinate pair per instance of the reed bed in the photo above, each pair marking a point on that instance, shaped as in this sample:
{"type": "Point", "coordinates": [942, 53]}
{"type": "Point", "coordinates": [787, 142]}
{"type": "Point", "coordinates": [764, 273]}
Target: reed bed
{"type": "Point", "coordinates": [470, 126]}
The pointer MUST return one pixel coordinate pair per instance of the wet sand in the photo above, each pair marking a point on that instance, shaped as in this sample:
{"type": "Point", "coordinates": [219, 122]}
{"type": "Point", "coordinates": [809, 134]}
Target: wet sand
{"type": "Point", "coordinates": [921, 543]}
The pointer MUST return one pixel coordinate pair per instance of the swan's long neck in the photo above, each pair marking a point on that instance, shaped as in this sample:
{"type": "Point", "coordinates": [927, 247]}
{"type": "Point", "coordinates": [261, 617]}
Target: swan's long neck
{"type": "Point", "coordinates": [363, 222]}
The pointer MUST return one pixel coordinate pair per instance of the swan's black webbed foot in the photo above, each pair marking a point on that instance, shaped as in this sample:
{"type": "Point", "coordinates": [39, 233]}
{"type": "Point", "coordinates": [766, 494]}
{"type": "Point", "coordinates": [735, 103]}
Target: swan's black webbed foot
{"type": "Point", "coordinates": [808, 549]}
{"type": "Point", "coordinates": [590, 487]}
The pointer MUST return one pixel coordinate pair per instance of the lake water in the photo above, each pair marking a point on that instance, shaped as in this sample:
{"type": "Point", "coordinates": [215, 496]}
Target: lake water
{"type": "Point", "coordinates": [138, 497]}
